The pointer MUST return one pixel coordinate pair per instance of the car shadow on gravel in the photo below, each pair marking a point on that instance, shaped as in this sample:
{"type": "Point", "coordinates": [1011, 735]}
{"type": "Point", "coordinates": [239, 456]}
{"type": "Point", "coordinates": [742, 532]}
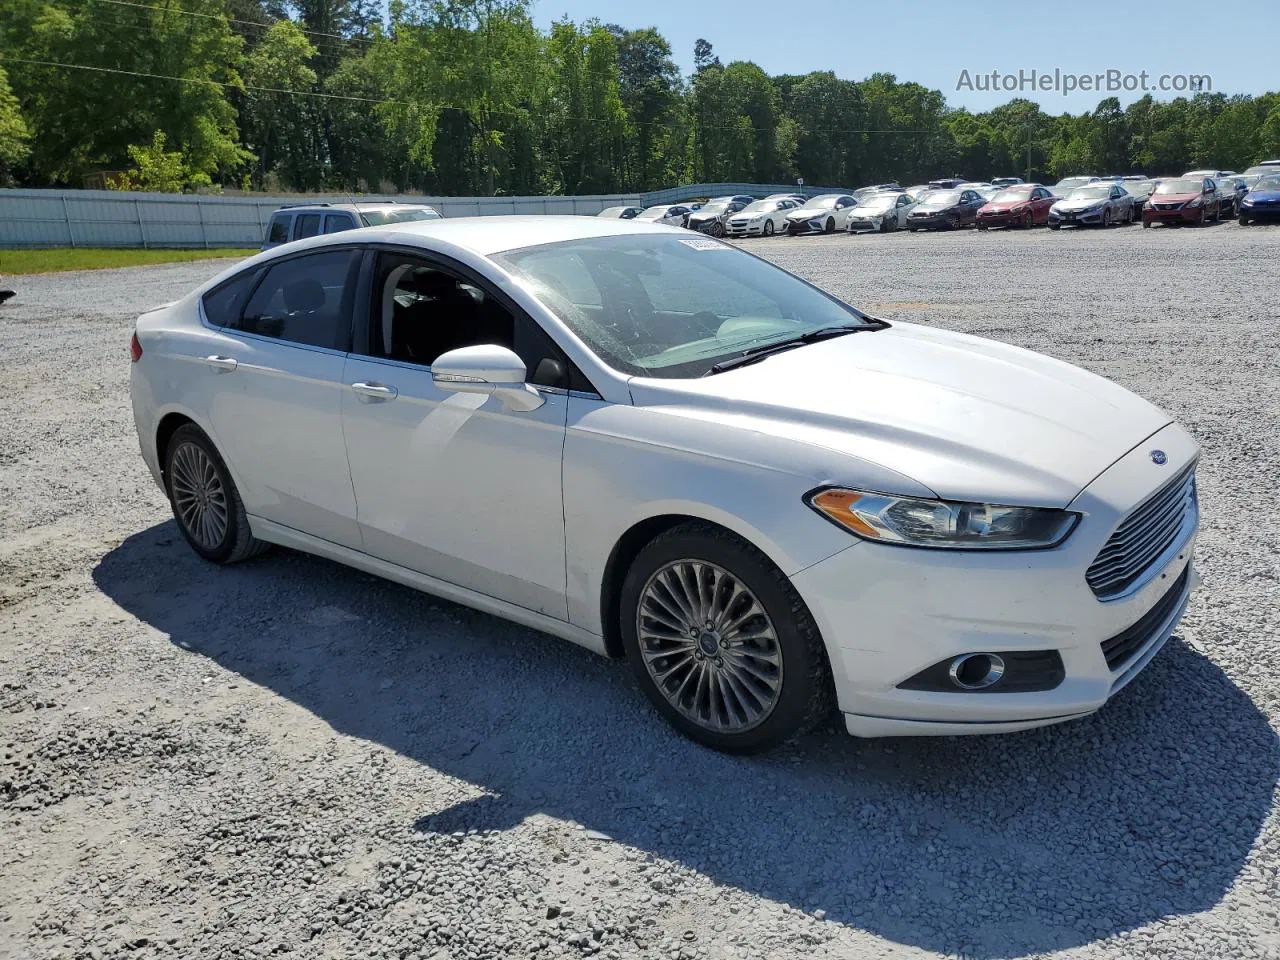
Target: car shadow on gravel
{"type": "Point", "coordinates": [994, 847]}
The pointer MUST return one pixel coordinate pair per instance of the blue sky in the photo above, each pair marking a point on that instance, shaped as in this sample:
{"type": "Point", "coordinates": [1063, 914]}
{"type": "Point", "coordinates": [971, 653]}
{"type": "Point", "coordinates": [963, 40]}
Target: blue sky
{"type": "Point", "coordinates": [932, 42]}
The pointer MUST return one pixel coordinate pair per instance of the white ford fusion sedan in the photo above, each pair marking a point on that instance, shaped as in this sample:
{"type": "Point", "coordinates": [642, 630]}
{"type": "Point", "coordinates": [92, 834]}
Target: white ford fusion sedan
{"type": "Point", "coordinates": [663, 448]}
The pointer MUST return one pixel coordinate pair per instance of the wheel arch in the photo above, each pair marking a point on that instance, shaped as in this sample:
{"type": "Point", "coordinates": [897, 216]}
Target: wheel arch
{"type": "Point", "coordinates": [165, 429]}
{"type": "Point", "coordinates": [634, 539]}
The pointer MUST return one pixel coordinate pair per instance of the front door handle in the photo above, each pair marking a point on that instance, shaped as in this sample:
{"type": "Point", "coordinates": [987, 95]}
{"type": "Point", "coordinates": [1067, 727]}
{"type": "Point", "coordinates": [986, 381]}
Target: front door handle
{"type": "Point", "coordinates": [223, 364]}
{"type": "Point", "coordinates": [375, 392]}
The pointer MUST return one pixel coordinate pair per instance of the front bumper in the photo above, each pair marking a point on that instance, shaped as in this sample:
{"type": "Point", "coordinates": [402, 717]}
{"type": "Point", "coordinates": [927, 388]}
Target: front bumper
{"type": "Point", "coordinates": [1072, 219]}
{"type": "Point", "coordinates": [1000, 218]}
{"type": "Point", "coordinates": [888, 613]}
{"type": "Point", "coordinates": [732, 229]}
{"type": "Point", "coordinates": [931, 223]}
{"type": "Point", "coordinates": [1256, 212]}
{"type": "Point", "coordinates": [1181, 215]}
{"type": "Point", "coordinates": [865, 226]}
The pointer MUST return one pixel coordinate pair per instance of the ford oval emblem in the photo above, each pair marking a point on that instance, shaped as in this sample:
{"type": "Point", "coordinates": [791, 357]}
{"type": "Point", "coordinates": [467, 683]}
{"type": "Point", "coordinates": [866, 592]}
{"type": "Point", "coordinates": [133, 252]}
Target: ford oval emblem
{"type": "Point", "coordinates": [1158, 458]}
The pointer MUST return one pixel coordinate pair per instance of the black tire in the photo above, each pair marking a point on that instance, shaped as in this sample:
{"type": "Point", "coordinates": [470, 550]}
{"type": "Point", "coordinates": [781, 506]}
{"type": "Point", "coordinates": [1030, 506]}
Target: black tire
{"type": "Point", "coordinates": [1243, 220]}
{"type": "Point", "coordinates": [1146, 224]}
{"type": "Point", "coordinates": [829, 226]}
{"type": "Point", "coordinates": [1106, 218]}
{"type": "Point", "coordinates": [717, 229]}
{"type": "Point", "coordinates": [768, 228]}
{"type": "Point", "coordinates": [982, 226]}
{"type": "Point", "coordinates": [1055, 226]}
{"type": "Point", "coordinates": [237, 542]}
{"type": "Point", "coordinates": [1028, 221]}
{"type": "Point", "coordinates": [806, 696]}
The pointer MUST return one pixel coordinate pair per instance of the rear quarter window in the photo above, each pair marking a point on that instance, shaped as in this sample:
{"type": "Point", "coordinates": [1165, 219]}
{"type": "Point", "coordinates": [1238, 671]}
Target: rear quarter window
{"type": "Point", "coordinates": [308, 225]}
{"type": "Point", "coordinates": [225, 302]}
{"type": "Point", "coordinates": [278, 231]}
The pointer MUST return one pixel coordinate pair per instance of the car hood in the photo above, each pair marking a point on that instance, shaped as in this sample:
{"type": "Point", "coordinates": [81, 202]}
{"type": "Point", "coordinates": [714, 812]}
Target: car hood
{"type": "Point", "coordinates": [869, 211]}
{"type": "Point", "coordinates": [1001, 206]}
{"type": "Point", "coordinates": [971, 419]}
{"type": "Point", "coordinates": [807, 213]}
{"type": "Point", "coordinates": [1062, 205]}
{"type": "Point", "coordinates": [933, 211]}
{"type": "Point", "coordinates": [1172, 197]}
{"type": "Point", "coordinates": [1270, 195]}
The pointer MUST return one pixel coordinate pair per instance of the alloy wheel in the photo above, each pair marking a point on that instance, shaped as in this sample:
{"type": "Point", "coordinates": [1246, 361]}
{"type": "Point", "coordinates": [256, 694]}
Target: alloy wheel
{"type": "Point", "coordinates": [709, 646]}
{"type": "Point", "coordinates": [768, 228]}
{"type": "Point", "coordinates": [199, 496]}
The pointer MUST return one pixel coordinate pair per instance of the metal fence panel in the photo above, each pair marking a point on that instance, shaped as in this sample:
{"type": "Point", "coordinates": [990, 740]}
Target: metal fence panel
{"type": "Point", "coordinates": [108, 218]}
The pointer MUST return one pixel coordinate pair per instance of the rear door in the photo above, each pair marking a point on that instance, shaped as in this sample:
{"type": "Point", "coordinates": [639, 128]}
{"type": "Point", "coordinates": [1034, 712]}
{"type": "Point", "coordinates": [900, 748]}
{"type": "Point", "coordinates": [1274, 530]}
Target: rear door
{"type": "Point", "coordinates": [275, 392]}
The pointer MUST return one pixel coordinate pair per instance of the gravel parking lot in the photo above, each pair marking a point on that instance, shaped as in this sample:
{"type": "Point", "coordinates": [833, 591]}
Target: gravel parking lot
{"type": "Point", "coordinates": [291, 758]}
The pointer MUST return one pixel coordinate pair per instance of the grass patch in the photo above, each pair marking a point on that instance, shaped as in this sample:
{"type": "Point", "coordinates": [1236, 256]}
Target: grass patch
{"type": "Point", "coordinates": [17, 262]}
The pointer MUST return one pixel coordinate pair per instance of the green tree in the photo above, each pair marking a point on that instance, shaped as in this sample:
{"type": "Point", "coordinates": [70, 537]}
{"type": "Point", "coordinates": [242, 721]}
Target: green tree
{"type": "Point", "coordinates": [82, 121]}
{"type": "Point", "coordinates": [158, 170]}
{"type": "Point", "coordinates": [15, 138]}
{"type": "Point", "coordinates": [284, 128]}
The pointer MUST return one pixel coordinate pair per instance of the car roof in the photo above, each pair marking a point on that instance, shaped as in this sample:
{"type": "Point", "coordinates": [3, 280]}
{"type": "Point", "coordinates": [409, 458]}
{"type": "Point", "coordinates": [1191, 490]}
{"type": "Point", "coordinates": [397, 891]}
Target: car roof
{"type": "Point", "coordinates": [490, 235]}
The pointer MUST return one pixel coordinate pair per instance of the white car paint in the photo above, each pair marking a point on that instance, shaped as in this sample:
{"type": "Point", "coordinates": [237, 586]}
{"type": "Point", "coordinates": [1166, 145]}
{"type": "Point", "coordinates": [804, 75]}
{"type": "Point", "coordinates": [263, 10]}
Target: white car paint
{"type": "Point", "coordinates": [881, 211]}
{"type": "Point", "coordinates": [516, 509]}
{"type": "Point", "coordinates": [673, 215]}
{"type": "Point", "coordinates": [817, 213]}
{"type": "Point", "coordinates": [762, 218]}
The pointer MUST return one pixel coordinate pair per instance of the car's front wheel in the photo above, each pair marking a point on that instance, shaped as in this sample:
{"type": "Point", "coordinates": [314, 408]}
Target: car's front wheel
{"type": "Point", "coordinates": [720, 641]}
{"type": "Point", "coordinates": [768, 228]}
{"type": "Point", "coordinates": [205, 501]}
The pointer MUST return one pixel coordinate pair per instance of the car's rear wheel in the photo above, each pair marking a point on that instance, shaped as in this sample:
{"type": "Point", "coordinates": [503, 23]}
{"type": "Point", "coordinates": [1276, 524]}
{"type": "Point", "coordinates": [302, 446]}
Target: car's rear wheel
{"type": "Point", "coordinates": [204, 498]}
{"type": "Point", "coordinates": [720, 641]}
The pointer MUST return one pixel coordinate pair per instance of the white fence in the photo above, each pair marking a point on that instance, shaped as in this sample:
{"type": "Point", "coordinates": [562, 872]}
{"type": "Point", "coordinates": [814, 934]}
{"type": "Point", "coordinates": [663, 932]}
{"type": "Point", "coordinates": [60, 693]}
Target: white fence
{"type": "Point", "coordinates": [108, 218]}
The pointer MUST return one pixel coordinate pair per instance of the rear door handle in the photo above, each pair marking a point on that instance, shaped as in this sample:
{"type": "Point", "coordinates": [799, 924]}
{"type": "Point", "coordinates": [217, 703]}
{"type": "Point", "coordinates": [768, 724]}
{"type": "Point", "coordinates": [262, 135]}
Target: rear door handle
{"type": "Point", "coordinates": [375, 392]}
{"type": "Point", "coordinates": [224, 364]}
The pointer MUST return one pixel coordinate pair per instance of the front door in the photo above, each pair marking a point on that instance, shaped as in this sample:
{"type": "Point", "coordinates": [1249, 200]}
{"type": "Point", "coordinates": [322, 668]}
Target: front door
{"type": "Point", "coordinates": [455, 485]}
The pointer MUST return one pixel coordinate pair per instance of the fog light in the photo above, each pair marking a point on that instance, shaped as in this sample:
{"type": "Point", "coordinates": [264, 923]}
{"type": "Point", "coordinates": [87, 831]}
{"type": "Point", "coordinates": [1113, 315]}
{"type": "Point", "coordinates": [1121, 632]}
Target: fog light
{"type": "Point", "coordinates": [976, 671]}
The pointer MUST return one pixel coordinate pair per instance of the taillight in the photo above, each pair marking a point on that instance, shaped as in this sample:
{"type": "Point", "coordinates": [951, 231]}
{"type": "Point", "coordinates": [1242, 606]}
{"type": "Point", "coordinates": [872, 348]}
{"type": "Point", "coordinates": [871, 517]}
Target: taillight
{"type": "Point", "coordinates": [135, 349]}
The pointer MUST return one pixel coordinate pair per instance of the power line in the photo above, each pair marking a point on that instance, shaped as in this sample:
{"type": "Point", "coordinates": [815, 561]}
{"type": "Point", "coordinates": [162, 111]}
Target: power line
{"type": "Point", "coordinates": [218, 16]}
{"type": "Point", "coordinates": [320, 95]}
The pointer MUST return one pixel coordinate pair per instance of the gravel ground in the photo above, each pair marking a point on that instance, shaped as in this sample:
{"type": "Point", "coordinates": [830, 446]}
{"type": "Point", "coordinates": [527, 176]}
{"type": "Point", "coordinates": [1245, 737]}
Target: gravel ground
{"type": "Point", "coordinates": [289, 757]}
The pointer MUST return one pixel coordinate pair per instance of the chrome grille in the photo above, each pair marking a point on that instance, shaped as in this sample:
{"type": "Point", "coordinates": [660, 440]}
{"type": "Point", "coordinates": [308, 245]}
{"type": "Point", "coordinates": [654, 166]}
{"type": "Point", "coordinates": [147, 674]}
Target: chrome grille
{"type": "Point", "coordinates": [1142, 537]}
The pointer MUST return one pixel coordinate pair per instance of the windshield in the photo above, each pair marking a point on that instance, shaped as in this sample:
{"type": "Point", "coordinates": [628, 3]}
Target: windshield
{"type": "Point", "coordinates": [1012, 195]}
{"type": "Point", "coordinates": [1090, 193]}
{"type": "Point", "coordinates": [761, 206]}
{"type": "Point", "coordinates": [653, 213]}
{"type": "Point", "coordinates": [715, 206]}
{"type": "Point", "coordinates": [1139, 188]}
{"type": "Point", "coordinates": [881, 201]}
{"type": "Point", "coordinates": [820, 203]}
{"type": "Point", "coordinates": [1268, 184]}
{"type": "Point", "coordinates": [1070, 183]}
{"type": "Point", "coordinates": [941, 198]}
{"type": "Point", "coordinates": [661, 306]}
{"type": "Point", "coordinates": [378, 218]}
{"type": "Point", "coordinates": [1180, 186]}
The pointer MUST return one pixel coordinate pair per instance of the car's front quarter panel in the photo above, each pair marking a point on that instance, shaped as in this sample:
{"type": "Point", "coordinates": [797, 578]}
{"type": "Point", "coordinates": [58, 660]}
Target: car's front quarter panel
{"type": "Point", "coordinates": [624, 464]}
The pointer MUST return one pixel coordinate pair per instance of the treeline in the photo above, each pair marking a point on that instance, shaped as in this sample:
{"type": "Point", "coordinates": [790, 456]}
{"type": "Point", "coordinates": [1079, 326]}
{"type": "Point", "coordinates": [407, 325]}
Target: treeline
{"type": "Point", "coordinates": [460, 97]}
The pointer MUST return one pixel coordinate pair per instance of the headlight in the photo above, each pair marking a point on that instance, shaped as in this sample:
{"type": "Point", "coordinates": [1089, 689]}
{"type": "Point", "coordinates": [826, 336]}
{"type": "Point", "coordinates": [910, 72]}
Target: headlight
{"type": "Point", "coordinates": [1196, 202]}
{"type": "Point", "coordinates": [946, 524]}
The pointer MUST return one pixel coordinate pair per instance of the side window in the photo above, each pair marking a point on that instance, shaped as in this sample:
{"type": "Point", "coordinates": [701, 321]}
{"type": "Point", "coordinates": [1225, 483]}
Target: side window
{"type": "Point", "coordinates": [337, 222]}
{"type": "Point", "coordinates": [278, 231]}
{"type": "Point", "coordinates": [222, 304]}
{"type": "Point", "coordinates": [422, 310]}
{"type": "Point", "coordinates": [306, 300]}
{"type": "Point", "coordinates": [307, 225]}
{"type": "Point", "coordinates": [903, 200]}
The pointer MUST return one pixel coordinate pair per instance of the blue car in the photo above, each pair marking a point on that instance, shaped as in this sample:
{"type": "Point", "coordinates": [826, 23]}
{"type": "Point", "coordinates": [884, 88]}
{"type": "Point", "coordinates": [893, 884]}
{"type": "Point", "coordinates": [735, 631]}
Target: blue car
{"type": "Point", "coordinates": [1262, 202]}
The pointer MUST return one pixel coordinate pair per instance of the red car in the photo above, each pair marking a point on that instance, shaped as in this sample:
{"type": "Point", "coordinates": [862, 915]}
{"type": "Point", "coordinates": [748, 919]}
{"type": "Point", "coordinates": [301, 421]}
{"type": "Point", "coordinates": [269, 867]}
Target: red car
{"type": "Point", "coordinates": [1183, 200]}
{"type": "Point", "coordinates": [1021, 205]}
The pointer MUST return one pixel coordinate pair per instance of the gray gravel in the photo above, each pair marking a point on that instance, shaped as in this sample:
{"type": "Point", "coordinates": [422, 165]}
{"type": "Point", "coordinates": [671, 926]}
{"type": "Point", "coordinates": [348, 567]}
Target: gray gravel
{"type": "Point", "coordinates": [291, 758]}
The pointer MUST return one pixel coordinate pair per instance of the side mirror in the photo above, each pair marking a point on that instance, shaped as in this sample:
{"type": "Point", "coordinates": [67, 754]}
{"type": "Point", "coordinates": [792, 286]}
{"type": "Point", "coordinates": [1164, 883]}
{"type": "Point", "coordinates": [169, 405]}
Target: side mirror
{"type": "Point", "coordinates": [487, 369]}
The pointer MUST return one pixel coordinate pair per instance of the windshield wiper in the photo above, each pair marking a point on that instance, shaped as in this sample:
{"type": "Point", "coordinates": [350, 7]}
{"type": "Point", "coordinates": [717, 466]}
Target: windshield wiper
{"type": "Point", "coordinates": [756, 354]}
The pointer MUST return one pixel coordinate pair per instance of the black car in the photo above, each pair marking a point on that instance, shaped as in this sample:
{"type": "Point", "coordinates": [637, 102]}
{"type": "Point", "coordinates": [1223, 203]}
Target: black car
{"type": "Point", "coordinates": [946, 210]}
